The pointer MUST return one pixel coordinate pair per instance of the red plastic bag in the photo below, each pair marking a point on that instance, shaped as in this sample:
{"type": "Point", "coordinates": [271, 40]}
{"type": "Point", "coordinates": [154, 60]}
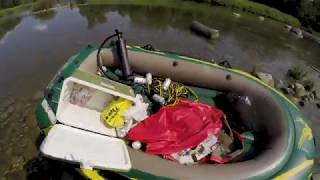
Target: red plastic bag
{"type": "Point", "coordinates": [178, 127]}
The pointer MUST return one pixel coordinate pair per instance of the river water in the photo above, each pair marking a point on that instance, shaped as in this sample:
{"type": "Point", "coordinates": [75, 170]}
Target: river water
{"type": "Point", "coordinates": [34, 46]}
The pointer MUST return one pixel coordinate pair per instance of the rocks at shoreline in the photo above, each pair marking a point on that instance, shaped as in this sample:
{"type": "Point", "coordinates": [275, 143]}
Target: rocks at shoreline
{"type": "Point", "coordinates": [297, 31]}
{"type": "Point", "coordinates": [236, 15]}
{"type": "Point", "coordinates": [299, 89]}
{"type": "Point", "coordinates": [266, 78]}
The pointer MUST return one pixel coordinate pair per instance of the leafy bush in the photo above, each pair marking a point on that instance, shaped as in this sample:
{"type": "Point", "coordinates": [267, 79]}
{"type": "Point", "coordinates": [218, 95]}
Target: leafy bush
{"type": "Point", "coordinates": [297, 72]}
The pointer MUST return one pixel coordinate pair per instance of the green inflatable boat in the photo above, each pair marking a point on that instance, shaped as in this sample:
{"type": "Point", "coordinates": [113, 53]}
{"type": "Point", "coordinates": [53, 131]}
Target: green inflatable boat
{"type": "Point", "coordinates": [287, 153]}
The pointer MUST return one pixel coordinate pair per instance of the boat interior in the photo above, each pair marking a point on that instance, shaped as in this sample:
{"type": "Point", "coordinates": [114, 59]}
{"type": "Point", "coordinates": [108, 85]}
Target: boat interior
{"type": "Point", "coordinates": [263, 114]}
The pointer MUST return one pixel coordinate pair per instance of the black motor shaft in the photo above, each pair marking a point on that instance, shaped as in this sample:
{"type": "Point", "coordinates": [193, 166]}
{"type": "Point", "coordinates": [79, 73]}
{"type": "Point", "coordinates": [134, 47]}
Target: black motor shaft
{"type": "Point", "coordinates": [123, 55]}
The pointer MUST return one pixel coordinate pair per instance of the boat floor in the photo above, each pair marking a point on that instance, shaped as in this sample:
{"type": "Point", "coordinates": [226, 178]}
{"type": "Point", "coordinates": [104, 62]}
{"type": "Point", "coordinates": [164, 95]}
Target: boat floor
{"type": "Point", "coordinates": [205, 96]}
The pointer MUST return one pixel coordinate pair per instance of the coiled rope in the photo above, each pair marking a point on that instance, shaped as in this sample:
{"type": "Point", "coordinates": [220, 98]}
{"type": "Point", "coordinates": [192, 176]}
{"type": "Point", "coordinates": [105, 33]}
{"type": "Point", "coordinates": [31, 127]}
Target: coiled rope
{"type": "Point", "coordinates": [175, 91]}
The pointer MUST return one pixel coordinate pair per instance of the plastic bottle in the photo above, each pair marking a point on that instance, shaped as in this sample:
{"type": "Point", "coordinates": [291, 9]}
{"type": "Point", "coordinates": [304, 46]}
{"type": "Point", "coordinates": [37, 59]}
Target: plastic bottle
{"type": "Point", "coordinates": [166, 84]}
{"type": "Point", "coordinates": [104, 69]}
{"type": "Point", "coordinates": [136, 145]}
{"type": "Point", "coordinates": [159, 99]}
{"type": "Point", "coordinates": [139, 80]}
{"type": "Point", "coordinates": [149, 78]}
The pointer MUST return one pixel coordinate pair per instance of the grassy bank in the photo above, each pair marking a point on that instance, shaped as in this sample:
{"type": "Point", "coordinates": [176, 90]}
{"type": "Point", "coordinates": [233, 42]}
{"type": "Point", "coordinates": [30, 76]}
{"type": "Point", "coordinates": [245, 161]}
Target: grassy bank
{"type": "Point", "coordinates": [13, 10]}
{"type": "Point", "coordinates": [256, 8]}
{"type": "Point", "coordinates": [27, 5]}
{"type": "Point", "coordinates": [164, 3]}
{"type": "Point", "coordinates": [241, 5]}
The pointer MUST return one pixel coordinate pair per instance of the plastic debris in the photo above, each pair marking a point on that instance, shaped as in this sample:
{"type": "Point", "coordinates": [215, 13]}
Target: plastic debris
{"type": "Point", "coordinates": [159, 99]}
{"type": "Point", "coordinates": [171, 92]}
{"type": "Point", "coordinates": [224, 154]}
{"type": "Point", "coordinates": [149, 78]}
{"type": "Point", "coordinates": [138, 111]}
{"type": "Point", "coordinates": [104, 69]}
{"type": "Point", "coordinates": [136, 145]}
{"type": "Point", "coordinates": [201, 151]}
{"type": "Point", "coordinates": [177, 127]}
{"type": "Point", "coordinates": [139, 80]}
{"type": "Point", "coordinates": [122, 131]}
{"type": "Point", "coordinates": [166, 84]}
{"type": "Point", "coordinates": [113, 114]}
{"type": "Point", "coordinates": [184, 131]}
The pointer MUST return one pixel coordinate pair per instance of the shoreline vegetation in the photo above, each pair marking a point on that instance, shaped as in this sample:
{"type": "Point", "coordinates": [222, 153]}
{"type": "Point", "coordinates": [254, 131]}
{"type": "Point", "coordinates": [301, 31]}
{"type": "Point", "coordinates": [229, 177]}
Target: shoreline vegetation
{"type": "Point", "coordinates": [255, 8]}
{"type": "Point", "coordinates": [246, 6]}
{"type": "Point", "coordinates": [240, 5]}
{"type": "Point", "coordinates": [26, 5]}
{"type": "Point", "coordinates": [13, 10]}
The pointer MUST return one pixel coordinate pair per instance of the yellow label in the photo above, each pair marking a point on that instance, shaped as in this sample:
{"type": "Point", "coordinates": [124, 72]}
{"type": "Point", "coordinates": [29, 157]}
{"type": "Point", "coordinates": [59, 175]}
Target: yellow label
{"type": "Point", "coordinates": [113, 114]}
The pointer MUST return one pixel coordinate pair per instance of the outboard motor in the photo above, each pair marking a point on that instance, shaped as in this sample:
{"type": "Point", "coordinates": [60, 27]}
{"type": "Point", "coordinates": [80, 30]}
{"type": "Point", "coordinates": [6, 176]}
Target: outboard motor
{"type": "Point", "coordinates": [123, 55]}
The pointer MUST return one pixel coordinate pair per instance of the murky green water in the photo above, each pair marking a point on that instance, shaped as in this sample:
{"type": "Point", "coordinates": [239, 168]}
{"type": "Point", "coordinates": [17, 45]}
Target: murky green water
{"type": "Point", "coordinates": [34, 46]}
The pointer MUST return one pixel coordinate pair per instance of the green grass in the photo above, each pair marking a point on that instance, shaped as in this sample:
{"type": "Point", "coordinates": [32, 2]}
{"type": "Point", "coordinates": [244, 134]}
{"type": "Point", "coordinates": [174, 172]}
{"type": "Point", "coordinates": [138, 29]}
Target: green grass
{"type": "Point", "coordinates": [241, 5]}
{"type": "Point", "coordinates": [258, 9]}
{"type": "Point", "coordinates": [26, 5]}
{"type": "Point", "coordinates": [13, 10]}
{"type": "Point", "coordinates": [166, 3]}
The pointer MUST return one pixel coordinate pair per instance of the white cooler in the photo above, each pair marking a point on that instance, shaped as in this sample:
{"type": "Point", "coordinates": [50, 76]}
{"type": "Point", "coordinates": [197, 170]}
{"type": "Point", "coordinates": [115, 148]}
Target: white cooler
{"type": "Point", "coordinates": [82, 137]}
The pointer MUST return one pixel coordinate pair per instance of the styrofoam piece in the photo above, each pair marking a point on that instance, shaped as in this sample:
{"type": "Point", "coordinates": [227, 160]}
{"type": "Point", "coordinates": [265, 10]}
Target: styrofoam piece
{"type": "Point", "coordinates": [89, 149]}
{"type": "Point", "coordinates": [84, 118]}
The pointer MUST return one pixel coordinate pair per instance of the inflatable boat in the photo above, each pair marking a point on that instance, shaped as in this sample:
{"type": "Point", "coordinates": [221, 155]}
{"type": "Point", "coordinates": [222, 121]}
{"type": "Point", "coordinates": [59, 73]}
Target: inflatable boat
{"type": "Point", "coordinates": [287, 153]}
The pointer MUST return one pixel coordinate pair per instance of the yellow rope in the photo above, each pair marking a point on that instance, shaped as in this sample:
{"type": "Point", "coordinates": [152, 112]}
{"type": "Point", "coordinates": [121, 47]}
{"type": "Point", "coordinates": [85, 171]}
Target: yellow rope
{"type": "Point", "coordinates": [174, 91]}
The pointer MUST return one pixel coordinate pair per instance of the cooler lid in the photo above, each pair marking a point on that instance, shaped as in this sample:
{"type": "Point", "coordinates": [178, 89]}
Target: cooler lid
{"type": "Point", "coordinates": [104, 84]}
{"type": "Point", "coordinates": [89, 149]}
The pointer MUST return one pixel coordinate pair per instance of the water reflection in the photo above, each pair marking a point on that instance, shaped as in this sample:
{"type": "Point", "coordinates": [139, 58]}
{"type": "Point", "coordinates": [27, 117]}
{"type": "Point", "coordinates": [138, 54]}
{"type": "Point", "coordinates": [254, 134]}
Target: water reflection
{"type": "Point", "coordinates": [94, 14]}
{"type": "Point", "coordinates": [43, 5]}
{"type": "Point", "coordinates": [8, 24]}
{"type": "Point", "coordinates": [45, 15]}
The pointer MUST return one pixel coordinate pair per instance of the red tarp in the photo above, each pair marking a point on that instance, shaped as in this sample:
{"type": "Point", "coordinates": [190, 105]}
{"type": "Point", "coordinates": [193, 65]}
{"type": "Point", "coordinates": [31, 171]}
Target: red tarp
{"type": "Point", "coordinates": [178, 127]}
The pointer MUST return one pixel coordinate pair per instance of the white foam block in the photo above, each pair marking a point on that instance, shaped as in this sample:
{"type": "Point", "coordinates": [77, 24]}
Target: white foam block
{"type": "Point", "coordinates": [89, 149]}
{"type": "Point", "coordinates": [84, 118]}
